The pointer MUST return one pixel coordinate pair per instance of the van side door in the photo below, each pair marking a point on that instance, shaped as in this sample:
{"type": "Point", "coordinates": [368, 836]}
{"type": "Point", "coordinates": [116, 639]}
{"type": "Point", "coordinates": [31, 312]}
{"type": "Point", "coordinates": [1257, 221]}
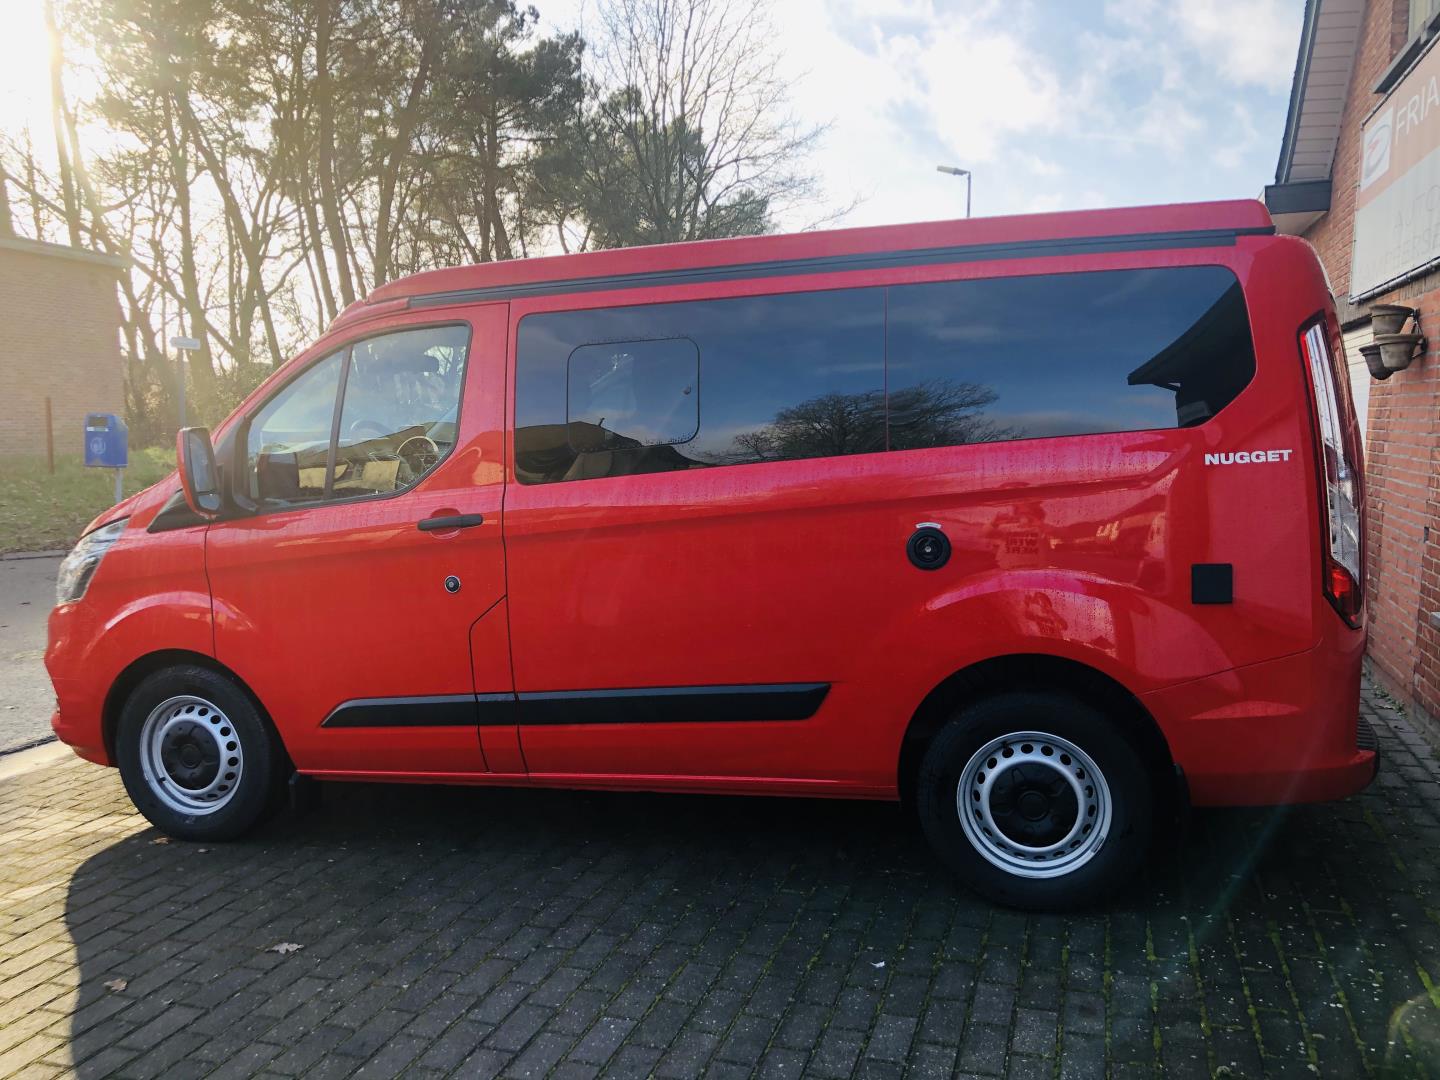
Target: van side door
{"type": "Point", "coordinates": [346, 601]}
{"type": "Point", "coordinates": [673, 617]}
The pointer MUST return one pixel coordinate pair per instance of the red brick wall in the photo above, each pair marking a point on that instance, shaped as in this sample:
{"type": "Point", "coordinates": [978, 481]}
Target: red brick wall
{"type": "Point", "coordinates": [1404, 535]}
{"type": "Point", "coordinates": [1380, 39]}
{"type": "Point", "coordinates": [59, 337]}
{"type": "Point", "coordinates": [1403, 441]}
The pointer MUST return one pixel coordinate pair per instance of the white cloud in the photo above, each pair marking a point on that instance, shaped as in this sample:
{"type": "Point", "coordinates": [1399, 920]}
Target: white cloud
{"type": "Point", "coordinates": [1250, 41]}
{"type": "Point", "coordinates": [978, 87]}
{"type": "Point", "coordinates": [933, 91]}
{"type": "Point", "coordinates": [1125, 101]}
{"type": "Point", "coordinates": [1037, 165]}
{"type": "Point", "coordinates": [1241, 138]}
{"type": "Point", "coordinates": [1168, 125]}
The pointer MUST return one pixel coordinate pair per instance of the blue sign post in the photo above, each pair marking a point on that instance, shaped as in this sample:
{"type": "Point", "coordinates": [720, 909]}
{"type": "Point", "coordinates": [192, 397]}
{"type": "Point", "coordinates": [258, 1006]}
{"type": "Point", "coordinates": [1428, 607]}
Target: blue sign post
{"type": "Point", "coordinates": [107, 445]}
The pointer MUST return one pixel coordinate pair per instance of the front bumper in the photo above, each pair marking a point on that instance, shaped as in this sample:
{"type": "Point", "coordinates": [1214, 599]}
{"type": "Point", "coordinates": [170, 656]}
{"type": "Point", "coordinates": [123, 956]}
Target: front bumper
{"type": "Point", "coordinates": [72, 735]}
{"type": "Point", "coordinates": [80, 704]}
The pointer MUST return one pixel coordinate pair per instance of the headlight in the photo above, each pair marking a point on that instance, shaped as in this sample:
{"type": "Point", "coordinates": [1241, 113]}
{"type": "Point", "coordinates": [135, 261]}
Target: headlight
{"type": "Point", "coordinates": [79, 566]}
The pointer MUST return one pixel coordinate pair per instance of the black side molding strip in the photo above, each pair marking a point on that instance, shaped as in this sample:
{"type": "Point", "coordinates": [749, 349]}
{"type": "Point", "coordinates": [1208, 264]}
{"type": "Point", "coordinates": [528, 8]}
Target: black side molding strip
{"type": "Point", "coordinates": [879, 260]}
{"type": "Point", "coordinates": [674, 704]}
{"type": "Point", "coordinates": [439, 710]}
{"type": "Point", "coordinates": [646, 705]}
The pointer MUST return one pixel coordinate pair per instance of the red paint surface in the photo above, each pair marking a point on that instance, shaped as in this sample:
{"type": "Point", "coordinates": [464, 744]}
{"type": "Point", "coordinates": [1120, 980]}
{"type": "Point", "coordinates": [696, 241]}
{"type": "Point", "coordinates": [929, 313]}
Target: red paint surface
{"type": "Point", "coordinates": [1076, 547]}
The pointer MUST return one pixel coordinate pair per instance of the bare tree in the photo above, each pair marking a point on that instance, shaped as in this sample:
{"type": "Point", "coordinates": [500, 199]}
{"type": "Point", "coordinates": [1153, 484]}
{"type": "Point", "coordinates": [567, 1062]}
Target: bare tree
{"type": "Point", "coordinates": [937, 412]}
{"type": "Point", "coordinates": [692, 135]}
{"type": "Point", "coordinates": [7, 220]}
{"type": "Point", "coordinates": [268, 161]}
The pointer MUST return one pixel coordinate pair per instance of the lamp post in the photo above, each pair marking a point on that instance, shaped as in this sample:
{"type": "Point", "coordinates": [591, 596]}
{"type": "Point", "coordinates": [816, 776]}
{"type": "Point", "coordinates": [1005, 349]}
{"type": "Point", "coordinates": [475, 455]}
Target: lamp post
{"type": "Point", "coordinates": [182, 345]}
{"type": "Point", "coordinates": [951, 170]}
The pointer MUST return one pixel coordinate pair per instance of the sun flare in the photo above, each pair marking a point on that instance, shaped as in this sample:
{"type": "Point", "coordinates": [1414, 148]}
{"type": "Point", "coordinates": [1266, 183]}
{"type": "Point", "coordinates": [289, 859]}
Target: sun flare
{"type": "Point", "coordinates": [24, 69]}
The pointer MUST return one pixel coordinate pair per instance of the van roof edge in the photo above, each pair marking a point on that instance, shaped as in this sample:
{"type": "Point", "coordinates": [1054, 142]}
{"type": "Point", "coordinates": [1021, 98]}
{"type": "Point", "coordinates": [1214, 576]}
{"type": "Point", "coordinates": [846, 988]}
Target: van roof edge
{"type": "Point", "coordinates": [556, 273]}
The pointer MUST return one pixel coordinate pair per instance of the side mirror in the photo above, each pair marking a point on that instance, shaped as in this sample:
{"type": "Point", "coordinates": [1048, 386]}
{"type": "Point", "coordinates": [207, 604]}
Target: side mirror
{"type": "Point", "coordinates": [199, 478]}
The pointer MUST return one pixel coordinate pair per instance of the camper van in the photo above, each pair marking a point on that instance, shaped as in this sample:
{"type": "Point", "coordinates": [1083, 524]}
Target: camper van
{"type": "Point", "coordinates": [1050, 526]}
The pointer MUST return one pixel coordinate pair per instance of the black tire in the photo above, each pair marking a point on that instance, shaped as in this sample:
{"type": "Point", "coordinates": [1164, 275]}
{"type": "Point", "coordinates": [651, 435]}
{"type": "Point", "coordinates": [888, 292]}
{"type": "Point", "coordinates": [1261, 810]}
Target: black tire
{"type": "Point", "coordinates": [1108, 863]}
{"type": "Point", "coordinates": [254, 748]}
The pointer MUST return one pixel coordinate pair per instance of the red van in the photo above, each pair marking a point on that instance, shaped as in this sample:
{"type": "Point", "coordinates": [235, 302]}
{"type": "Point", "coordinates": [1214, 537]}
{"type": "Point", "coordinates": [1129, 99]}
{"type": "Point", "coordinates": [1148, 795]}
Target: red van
{"type": "Point", "coordinates": [1048, 525]}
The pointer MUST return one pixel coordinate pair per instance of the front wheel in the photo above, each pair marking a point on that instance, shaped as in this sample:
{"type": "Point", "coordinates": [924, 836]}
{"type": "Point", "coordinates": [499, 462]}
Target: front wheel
{"type": "Point", "coordinates": [196, 756]}
{"type": "Point", "coordinates": [1036, 800]}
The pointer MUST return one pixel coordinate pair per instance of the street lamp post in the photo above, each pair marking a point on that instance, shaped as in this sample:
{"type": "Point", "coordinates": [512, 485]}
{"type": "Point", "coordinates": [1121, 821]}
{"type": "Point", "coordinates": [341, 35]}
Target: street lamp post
{"type": "Point", "coordinates": [182, 345]}
{"type": "Point", "coordinates": [951, 170]}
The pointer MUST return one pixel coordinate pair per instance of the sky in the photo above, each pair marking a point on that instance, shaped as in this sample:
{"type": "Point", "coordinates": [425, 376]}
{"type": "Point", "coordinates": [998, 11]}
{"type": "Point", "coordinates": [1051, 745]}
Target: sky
{"type": "Point", "coordinates": [1053, 104]}
{"type": "Point", "coordinates": [24, 74]}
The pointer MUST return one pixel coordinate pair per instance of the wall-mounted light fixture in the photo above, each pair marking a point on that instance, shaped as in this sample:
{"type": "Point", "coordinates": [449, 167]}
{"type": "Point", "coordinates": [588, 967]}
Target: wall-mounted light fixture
{"type": "Point", "coordinates": [1391, 350]}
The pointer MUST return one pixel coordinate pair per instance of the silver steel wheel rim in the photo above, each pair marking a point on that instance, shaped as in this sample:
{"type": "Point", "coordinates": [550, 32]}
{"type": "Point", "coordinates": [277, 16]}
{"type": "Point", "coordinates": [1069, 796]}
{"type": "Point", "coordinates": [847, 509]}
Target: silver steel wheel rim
{"type": "Point", "coordinates": [180, 741]}
{"type": "Point", "coordinates": [1056, 769]}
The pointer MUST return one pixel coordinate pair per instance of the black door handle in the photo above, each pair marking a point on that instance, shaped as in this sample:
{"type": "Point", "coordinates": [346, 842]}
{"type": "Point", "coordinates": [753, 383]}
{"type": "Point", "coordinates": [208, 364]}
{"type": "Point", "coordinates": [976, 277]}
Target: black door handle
{"type": "Point", "coordinates": [453, 521]}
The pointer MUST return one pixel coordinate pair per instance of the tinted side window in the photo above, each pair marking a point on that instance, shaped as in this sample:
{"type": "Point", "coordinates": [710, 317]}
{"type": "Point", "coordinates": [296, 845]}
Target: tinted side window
{"type": "Point", "coordinates": [633, 393]}
{"type": "Point", "coordinates": [1064, 354]}
{"type": "Point", "coordinates": [779, 377]}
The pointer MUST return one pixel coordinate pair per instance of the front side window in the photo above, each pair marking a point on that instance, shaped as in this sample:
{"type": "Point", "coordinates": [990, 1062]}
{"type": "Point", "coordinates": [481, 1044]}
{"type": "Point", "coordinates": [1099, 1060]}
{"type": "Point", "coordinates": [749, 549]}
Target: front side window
{"type": "Point", "coordinates": [288, 444]}
{"type": "Point", "coordinates": [402, 402]}
{"type": "Point", "coordinates": [398, 401]}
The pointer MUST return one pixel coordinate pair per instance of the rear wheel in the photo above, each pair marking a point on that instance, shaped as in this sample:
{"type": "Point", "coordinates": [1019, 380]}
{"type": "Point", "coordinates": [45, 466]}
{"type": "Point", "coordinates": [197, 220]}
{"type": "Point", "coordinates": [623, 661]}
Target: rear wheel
{"type": "Point", "coordinates": [1036, 800]}
{"type": "Point", "coordinates": [197, 757]}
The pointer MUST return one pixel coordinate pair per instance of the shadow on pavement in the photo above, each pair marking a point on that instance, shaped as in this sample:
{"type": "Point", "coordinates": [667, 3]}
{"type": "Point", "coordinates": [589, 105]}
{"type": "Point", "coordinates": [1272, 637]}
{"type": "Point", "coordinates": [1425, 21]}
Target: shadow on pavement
{"type": "Point", "coordinates": [477, 929]}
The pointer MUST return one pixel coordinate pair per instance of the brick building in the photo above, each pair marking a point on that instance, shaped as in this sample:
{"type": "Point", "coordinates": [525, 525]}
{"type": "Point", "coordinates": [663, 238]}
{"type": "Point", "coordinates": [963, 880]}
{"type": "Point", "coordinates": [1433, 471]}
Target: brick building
{"type": "Point", "coordinates": [1359, 177]}
{"type": "Point", "coordinates": [59, 338]}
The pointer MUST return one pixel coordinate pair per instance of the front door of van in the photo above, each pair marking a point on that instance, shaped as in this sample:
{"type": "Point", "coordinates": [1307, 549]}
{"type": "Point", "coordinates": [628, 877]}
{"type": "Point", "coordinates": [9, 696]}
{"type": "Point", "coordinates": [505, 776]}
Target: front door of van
{"type": "Point", "coordinates": [347, 601]}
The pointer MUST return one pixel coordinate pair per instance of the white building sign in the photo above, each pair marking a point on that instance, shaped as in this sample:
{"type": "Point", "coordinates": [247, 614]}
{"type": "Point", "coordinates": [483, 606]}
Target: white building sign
{"type": "Point", "coordinates": [1397, 206]}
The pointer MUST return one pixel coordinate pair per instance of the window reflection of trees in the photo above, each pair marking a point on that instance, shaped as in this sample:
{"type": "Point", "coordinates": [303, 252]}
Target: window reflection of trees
{"type": "Point", "coordinates": [936, 413]}
{"type": "Point", "coordinates": [943, 412]}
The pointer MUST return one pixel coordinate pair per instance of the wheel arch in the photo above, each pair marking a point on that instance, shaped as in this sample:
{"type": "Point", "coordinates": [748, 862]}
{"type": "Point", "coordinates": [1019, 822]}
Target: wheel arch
{"type": "Point", "coordinates": [1032, 671]}
{"type": "Point", "coordinates": [142, 668]}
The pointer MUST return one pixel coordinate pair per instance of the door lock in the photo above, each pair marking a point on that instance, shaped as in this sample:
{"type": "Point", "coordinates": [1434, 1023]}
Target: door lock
{"type": "Point", "coordinates": [452, 584]}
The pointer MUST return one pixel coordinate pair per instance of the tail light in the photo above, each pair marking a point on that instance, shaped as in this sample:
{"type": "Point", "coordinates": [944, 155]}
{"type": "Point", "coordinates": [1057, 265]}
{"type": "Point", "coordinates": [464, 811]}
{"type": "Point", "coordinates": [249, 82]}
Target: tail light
{"type": "Point", "coordinates": [1338, 461]}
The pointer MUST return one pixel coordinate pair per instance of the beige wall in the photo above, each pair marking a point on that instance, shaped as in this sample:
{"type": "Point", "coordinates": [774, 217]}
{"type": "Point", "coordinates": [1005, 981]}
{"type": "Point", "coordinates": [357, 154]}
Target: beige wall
{"type": "Point", "coordinates": [59, 337]}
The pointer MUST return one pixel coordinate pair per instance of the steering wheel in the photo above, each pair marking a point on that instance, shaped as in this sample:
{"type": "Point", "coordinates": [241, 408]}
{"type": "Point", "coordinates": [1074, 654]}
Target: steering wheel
{"type": "Point", "coordinates": [419, 453]}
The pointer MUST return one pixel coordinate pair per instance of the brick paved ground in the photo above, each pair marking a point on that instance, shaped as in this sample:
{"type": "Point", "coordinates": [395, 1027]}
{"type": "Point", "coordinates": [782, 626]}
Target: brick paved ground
{"type": "Point", "coordinates": [474, 932]}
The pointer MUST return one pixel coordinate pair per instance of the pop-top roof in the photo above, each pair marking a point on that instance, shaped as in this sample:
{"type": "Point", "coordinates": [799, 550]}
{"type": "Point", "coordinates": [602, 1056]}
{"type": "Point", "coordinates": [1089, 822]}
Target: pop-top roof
{"type": "Point", "coordinates": [988, 237]}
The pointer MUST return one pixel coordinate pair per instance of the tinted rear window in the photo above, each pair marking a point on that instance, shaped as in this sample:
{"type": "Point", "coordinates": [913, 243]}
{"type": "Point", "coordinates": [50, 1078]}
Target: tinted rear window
{"type": "Point", "coordinates": [661, 387]}
{"type": "Point", "coordinates": [1065, 354]}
